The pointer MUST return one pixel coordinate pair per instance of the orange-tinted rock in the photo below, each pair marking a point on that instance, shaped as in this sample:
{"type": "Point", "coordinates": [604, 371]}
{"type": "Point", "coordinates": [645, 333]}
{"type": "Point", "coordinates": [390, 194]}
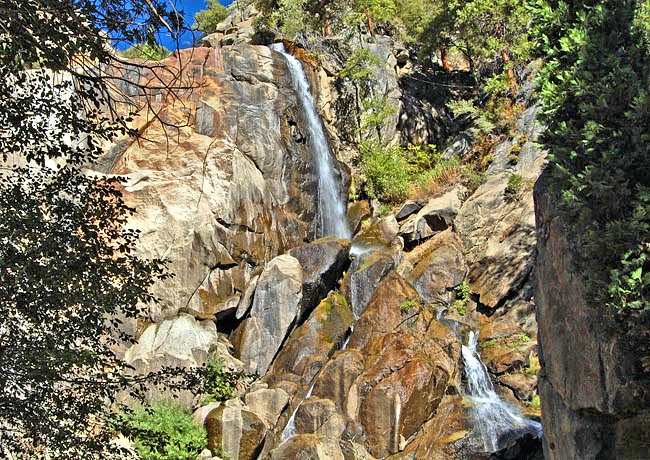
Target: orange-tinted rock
{"type": "Point", "coordinates": [236, 431]}
{"type": "Point", "coordinates": [316, 415]}
{"type": "Point", "coordinates": [500, 359]}
{"type": "Point", "coordinates": [383, 312]}
{"type": "Point", "coordinates": [364, 275]}
{"type": "Point", "coordinates": [407, 373]}
{"type": "Point", "coordinates": [308, 446]}
{"type": "Point", "coordinates": [445, 436]}
{"type": "Point", "coordinates": [338, 375]}
{"type": "Point", "coordinates": [212, 194]}
{"type": "Point", "coordinates": [306, 350]}
{"type": "Point", "coordinates": [357, 213]}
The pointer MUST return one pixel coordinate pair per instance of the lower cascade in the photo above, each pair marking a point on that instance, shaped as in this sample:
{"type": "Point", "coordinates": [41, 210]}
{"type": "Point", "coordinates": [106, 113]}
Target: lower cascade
{"type": "Point", "coordinates": [331, 208]}
{"type": "Point", "coordinates": [494, 419]}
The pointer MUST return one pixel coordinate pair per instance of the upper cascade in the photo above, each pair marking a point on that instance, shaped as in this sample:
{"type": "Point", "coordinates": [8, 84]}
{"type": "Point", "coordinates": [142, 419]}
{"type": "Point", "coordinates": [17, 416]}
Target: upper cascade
{"type": "Point", "coordinates": [331, 209]}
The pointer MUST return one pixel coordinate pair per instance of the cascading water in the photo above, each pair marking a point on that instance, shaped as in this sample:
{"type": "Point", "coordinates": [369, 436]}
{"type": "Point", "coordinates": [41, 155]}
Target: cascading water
{"type": "Point", "coordinates": [331, 209]}
{"type": "Point", "coordinates": [493, 417]}
{"type": "Point", "coordinates": [290, 429]}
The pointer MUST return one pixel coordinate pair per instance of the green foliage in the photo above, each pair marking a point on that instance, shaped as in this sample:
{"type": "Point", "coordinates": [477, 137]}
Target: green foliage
{"type": "Point", "coordinates": [598, 140]}
{"type": "Point", "coordinates": [464, 107]}
{"type": "Point", "coordinates": [533, 367]}
{"type": "Point", "coordinates": [386, 171]}
{"type": "Point", "coordinates": [70, 272]}
{"type": "Point", "coordinates": [515, 187]}
{"type": "Point", "coordinates": [462, 292]}
{"type": "Point", "coordinates": [536, 402]}
{"type": "Point", "coordinates": [207, 20]}
{"type": "Point", "coordinates": [489, 343]}
{"type": "Point", "coordinates": [146, 51]}
{"type": "Point", "coordinates": [163, 431]}
{"type": "Point", "coordinates": [358, 66]}
{"type": "Point", "coordinates": [218, 384]}
{"type": "Point", "coordinates": [407, 305]}
{"type": "Point", "coordinates": [383, 210]}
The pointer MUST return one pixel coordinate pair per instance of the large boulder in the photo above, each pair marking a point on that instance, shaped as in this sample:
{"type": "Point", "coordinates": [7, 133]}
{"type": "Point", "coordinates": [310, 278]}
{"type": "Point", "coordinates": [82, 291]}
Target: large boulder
{"type": "Point", "coordinates": [182, 341]}
{"type": "Point", "coordinates": [436, 274]}
{"type": "Point", "coordinates": [316, 415]}
{"type": "Point", "coordinates": [407, 373]}
{"type": "Point", "coordinates": [322, 262]}
{"type": "Point", "coordinates": [235, 430]}
{"type": "Point", "coordinates": [309, 446]}
{"type": "Point", "coordinates": [364, 274]}
{"type": "Point", "coordinates": [277, 302]}
{"type": "Point", "coordinates": [267, 404]}
{"type": "Point", "coordinates": [437, 215]}
{"type": "Point", "coordinates": [310, 344]}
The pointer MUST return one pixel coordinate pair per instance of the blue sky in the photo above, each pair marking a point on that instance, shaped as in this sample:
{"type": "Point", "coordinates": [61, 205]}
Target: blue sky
{"type": "Point", "coordinates": [190, 7]}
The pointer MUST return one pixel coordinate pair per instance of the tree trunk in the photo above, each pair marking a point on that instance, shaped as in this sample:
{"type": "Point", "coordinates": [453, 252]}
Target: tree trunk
{"type": "Point", "coordinates": [444, 58]}
{"type": "Point", "coordinates": [327, 28]}
{"type": "Point", "coordinates": [505, 55]}
{"type": "Point", "coordinates": [371, 24]}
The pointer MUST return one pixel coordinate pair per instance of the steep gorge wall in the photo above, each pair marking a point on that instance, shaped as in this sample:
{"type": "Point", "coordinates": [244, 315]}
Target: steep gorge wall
{"type": "Point", "coordinates": [595, 378]}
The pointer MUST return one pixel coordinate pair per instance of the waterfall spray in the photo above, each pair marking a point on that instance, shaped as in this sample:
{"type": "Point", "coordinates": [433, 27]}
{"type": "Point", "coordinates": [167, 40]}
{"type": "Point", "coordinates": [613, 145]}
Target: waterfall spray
{"type": "Point", "coordinates": [493, 417]}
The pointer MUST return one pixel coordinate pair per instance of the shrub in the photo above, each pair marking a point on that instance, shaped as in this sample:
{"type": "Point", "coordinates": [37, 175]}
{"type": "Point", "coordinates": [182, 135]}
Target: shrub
{"type": "Point", "coordinates": [407, 305]}
{"type": "Point", "coordinates": [163, 431]}
{"type": "Point", "coordinates": [597, 134]}
{"type": "Point", "coordinates": [146, 51]}
{"type": "Point", "coordinates": [386, 171]}
{"type": "Point", "coordinates": [514, 188]}
{"type": "Point", "coordinates": [218, 384]}
{"type": "Point", "coordinates": [358, 66]}
{"type": "Point", "coordinates": [207, 20]}
{"type": "Point", "coordinates": [462, 292]}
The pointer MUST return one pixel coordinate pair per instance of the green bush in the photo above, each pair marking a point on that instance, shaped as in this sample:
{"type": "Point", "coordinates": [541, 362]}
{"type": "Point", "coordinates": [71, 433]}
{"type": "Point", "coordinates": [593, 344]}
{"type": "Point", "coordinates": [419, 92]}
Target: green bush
{"type": "Point", "coordinates": [462, 292]}
{"type": "Point", "coordinates": [407, 305]}
{"type": "Point", "coordinates": [598, 139]}
{"type": "Point", "coordinates": [358, 66]}
{"type": "Point", "coordinates": [146, 51]}
{"type": "Point", "coordinates": [514, 188]}
{"type": "Point", "coordinates": [207, 20]}
{"type": "Point", "coordinates": [218, 384]}
{"type": "Point", "coordinates": [163, 431]}
{"type": "Point", "coordinates": [386, 170]}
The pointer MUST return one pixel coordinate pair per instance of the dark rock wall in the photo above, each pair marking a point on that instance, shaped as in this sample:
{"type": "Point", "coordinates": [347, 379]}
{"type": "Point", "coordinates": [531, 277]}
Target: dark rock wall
{"type": "Point", "coordinates": [595, 378]}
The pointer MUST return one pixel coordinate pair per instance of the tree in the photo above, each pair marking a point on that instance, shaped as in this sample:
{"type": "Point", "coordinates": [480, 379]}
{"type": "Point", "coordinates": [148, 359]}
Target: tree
{"type": "Point", "coordinates": [146, 51]}
{"type": "Point", "coordinates": [597, 109]}
{"type": "Point", "coordinates": [68, 268]}
{"type": "Point", "coordinates": [207, 20]}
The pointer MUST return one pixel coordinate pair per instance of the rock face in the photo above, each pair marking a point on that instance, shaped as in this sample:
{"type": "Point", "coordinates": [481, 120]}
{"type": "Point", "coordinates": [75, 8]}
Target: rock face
{"type": "Point", "coordinates": [595, 378]}
{"type": "Point", "coordinates": [236, 431]}
{"type": "Point", "coordinates": [277, 302]}
{"type": "Point", "coordinates": [176, 342]}
{"type": "Point", "coordinates": [213, 195]}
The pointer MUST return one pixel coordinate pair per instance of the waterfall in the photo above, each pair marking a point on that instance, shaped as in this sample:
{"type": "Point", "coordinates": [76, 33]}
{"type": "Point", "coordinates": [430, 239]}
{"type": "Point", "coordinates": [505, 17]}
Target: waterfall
{"type": "Point", "coordinates": [493, 417]}
{"type": "Point", "coordinates": [290, 429]}
{"type": "Point", "coordinates": [331, 209]}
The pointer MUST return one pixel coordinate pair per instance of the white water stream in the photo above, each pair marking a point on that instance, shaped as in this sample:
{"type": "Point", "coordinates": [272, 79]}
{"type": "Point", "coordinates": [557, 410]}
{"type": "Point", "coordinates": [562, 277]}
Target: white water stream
{"type": "Point", "coordinates": [493, 417]}
{"type": "Point", "coordinates": [331, 208]}
{"type": "Point", "coordinates": [290, 429]}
